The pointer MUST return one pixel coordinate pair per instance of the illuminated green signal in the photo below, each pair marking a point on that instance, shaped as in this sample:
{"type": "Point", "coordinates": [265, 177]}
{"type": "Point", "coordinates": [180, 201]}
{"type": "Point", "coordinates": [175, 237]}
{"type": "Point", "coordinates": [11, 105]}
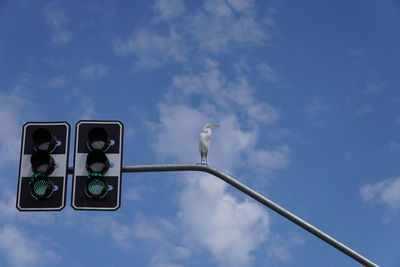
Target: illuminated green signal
{"type": "Point", "coordinates": [40, 186]}
{"type": "Point", "coordinates": [96, 187]}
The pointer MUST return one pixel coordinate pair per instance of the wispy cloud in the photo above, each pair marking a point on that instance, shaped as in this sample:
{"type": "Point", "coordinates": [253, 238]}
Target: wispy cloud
{"type": "Point", "coordinates": [218, 24]}
{"type": "Point", "coordinates": [151, 48]}
{"type": "Point", "coordinates": [56, 82]}
{"type": "Point", "coordinates": [20, 250]}
{"type": "Point", "coordinates": [88, 111]}
{"type": "Point", "coordinates": [280, 246]}
{"type": "Point", "coordinates": [137, 193]}
{"type": "Point", "coordinates": [317, 106]}
{"type": "Point", "coordinates": [267, 72]}
{"type": "Point", "coordinates": [58, 21]}
{"type": "Point", "coordinates": [157, 233]}
{"type": "Point", "coordinates": [9, 214]}
{"type": "Point", "coordinates": [374, 83]}
{"type": "Point", "coordinates": [13, 107]}
{"type": "Point", "coordinates": [364, 109]}
{"type": "Point", "coordinates": [84, 106]}
{"type": "Point", "coordinates": [397, 121]}
{"type": "Point", "coordinates": [93, 71]}
{"type": "Point", "coordinates": [386, 192]}
{"type": "Point", "coordinates": [212, 27]}
{"type": "Point", "coordinates": [168, 9]}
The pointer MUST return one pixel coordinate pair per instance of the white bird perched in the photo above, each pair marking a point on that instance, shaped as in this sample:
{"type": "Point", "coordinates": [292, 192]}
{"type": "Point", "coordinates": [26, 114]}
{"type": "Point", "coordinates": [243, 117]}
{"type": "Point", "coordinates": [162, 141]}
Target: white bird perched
{"type": "Point", "coordinates": [204, 142]}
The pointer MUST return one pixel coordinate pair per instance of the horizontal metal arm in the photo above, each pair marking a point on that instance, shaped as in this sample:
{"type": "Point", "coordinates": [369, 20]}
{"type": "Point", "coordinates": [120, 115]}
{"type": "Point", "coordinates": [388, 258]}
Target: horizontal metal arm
{"type": "Point", "coordinates": [255, 195]}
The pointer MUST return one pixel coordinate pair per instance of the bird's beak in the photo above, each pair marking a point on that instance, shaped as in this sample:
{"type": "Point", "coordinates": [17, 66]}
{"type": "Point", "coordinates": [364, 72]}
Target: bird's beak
{"type": "Point", "coordinates": [215, 125]}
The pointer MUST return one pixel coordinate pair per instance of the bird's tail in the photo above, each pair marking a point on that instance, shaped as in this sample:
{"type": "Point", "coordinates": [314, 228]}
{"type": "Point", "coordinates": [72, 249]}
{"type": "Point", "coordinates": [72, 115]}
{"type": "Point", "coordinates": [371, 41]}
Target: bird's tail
{"type": "Point", "coordinates": [203, 159]}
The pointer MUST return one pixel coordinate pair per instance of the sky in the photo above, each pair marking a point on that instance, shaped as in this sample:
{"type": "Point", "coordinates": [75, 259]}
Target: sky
{"type": "Point", "coordinates": [307, 96]}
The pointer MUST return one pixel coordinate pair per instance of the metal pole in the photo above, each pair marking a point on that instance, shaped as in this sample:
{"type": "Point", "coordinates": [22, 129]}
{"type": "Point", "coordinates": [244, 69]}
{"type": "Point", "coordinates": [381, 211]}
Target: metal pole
{"type": "Point", "coordinates": [255, 195]}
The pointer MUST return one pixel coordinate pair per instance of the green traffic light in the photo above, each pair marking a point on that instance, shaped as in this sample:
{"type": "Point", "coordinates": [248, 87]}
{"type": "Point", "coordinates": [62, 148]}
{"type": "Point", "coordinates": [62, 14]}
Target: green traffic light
{"type": "Point", "coordinates": [96, 187]}
{"type": "Point", "coordinates": [40, 186]}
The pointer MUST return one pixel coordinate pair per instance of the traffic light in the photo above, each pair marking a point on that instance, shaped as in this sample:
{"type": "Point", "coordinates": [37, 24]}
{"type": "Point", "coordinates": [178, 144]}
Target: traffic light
{"type": "Point", "coordinates": [43, 166]}
{"type": "Point", "coordinates": [97, 165]}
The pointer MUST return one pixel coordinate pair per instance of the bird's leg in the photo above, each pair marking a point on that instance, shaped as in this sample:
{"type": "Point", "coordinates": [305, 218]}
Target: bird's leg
{"type": "Point", "coordinates": [203, 159]}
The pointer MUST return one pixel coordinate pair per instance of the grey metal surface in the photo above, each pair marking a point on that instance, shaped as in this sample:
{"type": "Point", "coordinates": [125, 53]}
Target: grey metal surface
{"type": "Point", "coordinates": [255, 195]}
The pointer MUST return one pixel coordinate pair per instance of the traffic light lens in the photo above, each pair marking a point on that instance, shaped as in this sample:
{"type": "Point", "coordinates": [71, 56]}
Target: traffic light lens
{"type": "Point", "coordinates": [98, 145]}
{"type": "Point", "coordinates": [97, 167]}
{"type": "Point", "coordinates": [43, 140]}
{"type": "Point", "coordinates": [98, 139]}
{"type": "Point", "coordinates": [96, 187]}
{"type": "Point", "coordinates": [42, 162]}
{"type": "Point", "coordinates": [98, 162]}
{"type": "Point", "coordinates": [40, 186]}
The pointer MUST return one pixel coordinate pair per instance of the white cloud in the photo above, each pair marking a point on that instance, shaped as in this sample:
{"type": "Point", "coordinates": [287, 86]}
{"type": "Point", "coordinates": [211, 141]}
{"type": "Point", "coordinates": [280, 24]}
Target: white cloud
{"type": "Point", "coordinates": [376, 87]}
{"type": "Point", "coordinates": [9, 213]}
{"type": "Point", "coordinates": [397, 121]}
{"type": "Point", "coordinates": [151, 48]}
{"type": "Point", "coordinates": [84, 106]}
{"type": "Point", "coordinates": [87, 110]}
{"type": "Point", "coordinates": [230, 229]}
{"type": "Point", "coordinates": [214, 26]}
{"type": "Point", "coordinates": [168, 9]}
{"type": "Point", "coordinates": [58, 81]}
{"type": "Point", "coordinates": [155, 232]}
{"type": "Point", "coordinates": [271, 159]}
{"type": "Point", "coordinates": [22, 251]}
{"type": "Point", "coordinates": [137, 193]}
{"type": "Point", "coordinates": [317, 106]}
{"type": "Point", "coordinates": [93, 71]}
{"type": "Point", "coordinates": [241, 5]}
{"type": "Point", "coordinates": [159, 233]}
{"type": "Point", "coordinates": [374, 83]}
{"type": "Point", "coordinates": [12, 108]}
{"type": "Point", "coordinates": [180, 119]}
{"type": "Point", "coordinates": [280, 247]}
{"type": "Point", "coordinates": [364, 109]}
{"type": "Point", "coordinates": [212, 84]}
{"type": "Point", "coordinates": [129, 132]}
{"type": "Point", "coordinates": [121, 234]}
{"type": "Point", "coordinates": [267, 72]}
{"type": "Point", "coordinates": [386, 192]}
{"type": "Point", "coordinates": [59, 23]}
{"type": "Point", "coordinates": [143, 229]}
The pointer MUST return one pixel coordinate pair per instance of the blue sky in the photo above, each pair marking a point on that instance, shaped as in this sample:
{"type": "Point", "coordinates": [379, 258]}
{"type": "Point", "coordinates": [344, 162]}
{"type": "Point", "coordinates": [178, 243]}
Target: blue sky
{"type": "Point", "coordinates": [307, 96]}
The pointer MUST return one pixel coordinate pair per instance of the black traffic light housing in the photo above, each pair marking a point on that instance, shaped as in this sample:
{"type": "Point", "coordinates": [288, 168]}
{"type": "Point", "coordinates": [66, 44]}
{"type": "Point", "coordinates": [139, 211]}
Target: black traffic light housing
{"type": "Point", "coordinates": [42, 180]}
{"type": "Point", "coordinates": [97, 165]}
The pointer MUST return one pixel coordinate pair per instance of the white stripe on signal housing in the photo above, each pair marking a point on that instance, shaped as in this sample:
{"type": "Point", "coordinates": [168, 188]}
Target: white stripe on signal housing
{"type": "Point", "coordinates": [26, 170]}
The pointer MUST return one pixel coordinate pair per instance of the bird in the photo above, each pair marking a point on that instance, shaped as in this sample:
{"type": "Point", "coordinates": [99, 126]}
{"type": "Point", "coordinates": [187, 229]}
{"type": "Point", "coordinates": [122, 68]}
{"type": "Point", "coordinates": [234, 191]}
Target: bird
{"type": "Point", "coordinates": [204, 142]}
